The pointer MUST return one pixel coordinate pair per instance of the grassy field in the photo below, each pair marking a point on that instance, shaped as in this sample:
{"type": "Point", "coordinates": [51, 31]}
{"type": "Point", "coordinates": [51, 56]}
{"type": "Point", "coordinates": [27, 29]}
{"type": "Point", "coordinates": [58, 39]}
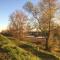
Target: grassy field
{"type": "Point", "coordinates": [12, 49]}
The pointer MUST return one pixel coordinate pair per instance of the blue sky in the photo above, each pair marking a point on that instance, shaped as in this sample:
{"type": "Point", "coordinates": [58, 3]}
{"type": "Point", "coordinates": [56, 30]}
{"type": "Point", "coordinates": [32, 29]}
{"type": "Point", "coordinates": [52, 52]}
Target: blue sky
{"type": "Point", "coordinates": [7, 7]}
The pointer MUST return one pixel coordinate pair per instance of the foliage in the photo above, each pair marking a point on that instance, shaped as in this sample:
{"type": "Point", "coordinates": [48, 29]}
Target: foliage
{"type": "Point", "coordinates": [17, 25]}
{"type": "Point", "coordinates": [43, 12]}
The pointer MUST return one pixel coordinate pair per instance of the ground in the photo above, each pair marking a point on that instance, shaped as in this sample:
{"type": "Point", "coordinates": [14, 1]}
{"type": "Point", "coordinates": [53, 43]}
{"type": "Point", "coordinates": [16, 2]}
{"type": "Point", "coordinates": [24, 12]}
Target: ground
{"type": "Point", "coordinates": [12, 49]}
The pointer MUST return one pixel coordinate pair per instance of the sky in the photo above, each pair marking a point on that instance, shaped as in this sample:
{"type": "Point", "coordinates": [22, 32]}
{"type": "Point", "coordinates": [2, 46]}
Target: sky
{"type": "Point", "coordinates": [7, 7]}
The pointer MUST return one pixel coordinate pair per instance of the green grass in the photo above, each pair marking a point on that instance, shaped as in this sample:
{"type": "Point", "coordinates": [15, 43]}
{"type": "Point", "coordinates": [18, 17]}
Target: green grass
{"type": "Point", "coordinates": [15, 52]}
{"type": "Point", "coordinates": [23, 50]}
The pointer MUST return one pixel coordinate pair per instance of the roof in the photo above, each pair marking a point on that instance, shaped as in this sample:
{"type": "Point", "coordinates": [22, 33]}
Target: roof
{"type": "Point", "coordinates": [35, 30]}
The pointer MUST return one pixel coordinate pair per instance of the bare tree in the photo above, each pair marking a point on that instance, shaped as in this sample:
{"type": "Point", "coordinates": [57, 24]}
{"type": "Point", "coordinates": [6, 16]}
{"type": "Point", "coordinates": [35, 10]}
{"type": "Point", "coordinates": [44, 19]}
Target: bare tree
{"type": "Point", "coordinates": [43, 12]}
{"type": "Point", "coordinates": [17, 24]}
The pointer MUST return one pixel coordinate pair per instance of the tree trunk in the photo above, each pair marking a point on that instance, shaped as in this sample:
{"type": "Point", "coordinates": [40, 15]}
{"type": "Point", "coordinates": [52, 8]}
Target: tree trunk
{"type": "Point", "coordinates": [47, 40]}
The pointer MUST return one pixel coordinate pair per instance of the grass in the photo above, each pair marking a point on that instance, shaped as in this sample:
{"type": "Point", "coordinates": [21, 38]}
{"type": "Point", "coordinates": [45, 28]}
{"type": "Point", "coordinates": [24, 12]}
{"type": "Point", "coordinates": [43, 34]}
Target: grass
{"type": "Point", "coordinates": [15, 50]}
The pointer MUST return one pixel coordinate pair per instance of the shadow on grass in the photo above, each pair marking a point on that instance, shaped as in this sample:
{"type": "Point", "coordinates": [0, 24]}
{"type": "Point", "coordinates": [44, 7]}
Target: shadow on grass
{"type": "Point", "coordinates": [42, 55]}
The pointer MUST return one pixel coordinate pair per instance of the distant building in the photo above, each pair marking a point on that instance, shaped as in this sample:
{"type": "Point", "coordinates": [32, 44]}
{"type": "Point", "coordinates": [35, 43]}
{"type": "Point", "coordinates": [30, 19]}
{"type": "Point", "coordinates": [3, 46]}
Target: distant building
{"type": "Point", "coordinates": [35, 32]}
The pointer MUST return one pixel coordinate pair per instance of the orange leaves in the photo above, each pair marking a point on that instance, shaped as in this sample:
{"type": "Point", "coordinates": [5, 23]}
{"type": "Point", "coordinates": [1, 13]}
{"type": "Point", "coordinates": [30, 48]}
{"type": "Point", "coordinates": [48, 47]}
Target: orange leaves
{"type": "Point", "coordinates": [17, 23]}
{"type": "Point", "coordinates": [49, 12]}
{"type": "Point", "coordinates": [50, 1]}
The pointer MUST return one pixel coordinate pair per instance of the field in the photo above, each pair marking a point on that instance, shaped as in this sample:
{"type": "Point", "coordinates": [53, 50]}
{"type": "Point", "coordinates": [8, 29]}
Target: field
{"type": "Point", "coordinates": [12, 49]}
